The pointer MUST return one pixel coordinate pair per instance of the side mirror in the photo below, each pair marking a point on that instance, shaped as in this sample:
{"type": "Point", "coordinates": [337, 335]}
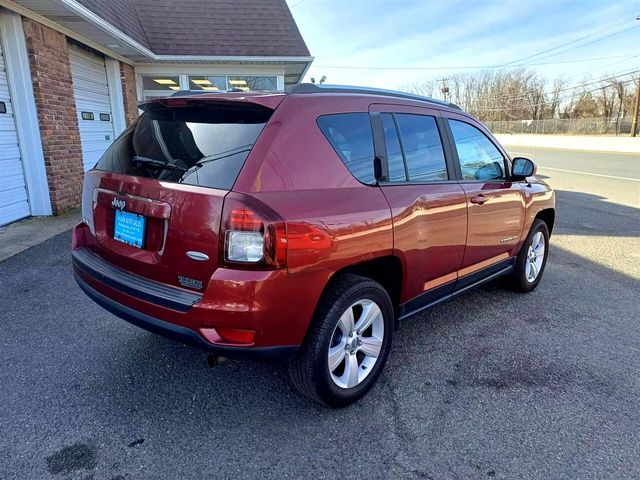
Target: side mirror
{"type": "Point", "coordinates": [522, 168]}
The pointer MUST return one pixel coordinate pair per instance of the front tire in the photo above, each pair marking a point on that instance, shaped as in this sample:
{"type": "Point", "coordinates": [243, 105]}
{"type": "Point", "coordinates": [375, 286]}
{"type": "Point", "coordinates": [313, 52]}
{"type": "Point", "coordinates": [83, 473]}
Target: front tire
{"type": "Point", "coordinates": [531, 260]}
{"type": "Point", "coordinates": [347, 344]}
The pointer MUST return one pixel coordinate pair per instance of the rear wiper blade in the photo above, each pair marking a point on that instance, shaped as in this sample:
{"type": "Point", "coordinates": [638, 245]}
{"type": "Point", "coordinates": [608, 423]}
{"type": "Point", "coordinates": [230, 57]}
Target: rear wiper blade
{"type": "Point", "coordinates": [153, 163]}
{"type": "Point", "coordinates": [221, 155]}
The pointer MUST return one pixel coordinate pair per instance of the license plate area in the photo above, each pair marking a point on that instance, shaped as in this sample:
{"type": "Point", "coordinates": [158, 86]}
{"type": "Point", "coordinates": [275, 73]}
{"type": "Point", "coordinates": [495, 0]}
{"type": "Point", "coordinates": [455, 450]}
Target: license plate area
{"type": "Point", "coordinates": [129, 228]}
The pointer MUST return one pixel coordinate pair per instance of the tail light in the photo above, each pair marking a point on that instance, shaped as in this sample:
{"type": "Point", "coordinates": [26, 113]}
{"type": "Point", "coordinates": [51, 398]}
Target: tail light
{"type": "Point", "coordinates": [252, 235]}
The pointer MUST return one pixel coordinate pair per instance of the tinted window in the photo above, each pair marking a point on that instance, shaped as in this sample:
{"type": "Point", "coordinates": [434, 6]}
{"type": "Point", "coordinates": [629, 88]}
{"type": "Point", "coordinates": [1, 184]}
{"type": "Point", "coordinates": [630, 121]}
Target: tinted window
{"type": "Point", "coordinates": [350, 136]}
{"type": "Point", "coordinates": [204, 146]}
{"type": "Point", "coordinates": [394, 152]}
{"type": "Point", "coordinates": [422, 147]}
{"type": "Point", "coordinates": [479, 157]}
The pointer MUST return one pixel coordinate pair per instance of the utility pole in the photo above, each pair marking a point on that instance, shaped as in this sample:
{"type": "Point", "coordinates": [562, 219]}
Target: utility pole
{"type": "Point", "coordinates": [636, 108]}
{"type": "Point", "coordinates": [636, 111]}
{"type": "Point", "coordinates": [445, 89]}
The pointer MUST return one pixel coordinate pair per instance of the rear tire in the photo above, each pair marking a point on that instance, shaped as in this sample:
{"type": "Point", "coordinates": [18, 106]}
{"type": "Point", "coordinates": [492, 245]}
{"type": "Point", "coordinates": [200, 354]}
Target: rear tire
{"type": "Point", "coordinates": [531, 260]}
{"type": "Point", "coordinates": [347, 344]}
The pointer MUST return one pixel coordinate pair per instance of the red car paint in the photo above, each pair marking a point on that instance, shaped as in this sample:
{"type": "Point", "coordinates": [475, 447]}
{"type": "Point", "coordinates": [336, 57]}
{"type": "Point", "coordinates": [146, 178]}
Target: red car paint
{"type": "Point", "coordinates": [331, 221]}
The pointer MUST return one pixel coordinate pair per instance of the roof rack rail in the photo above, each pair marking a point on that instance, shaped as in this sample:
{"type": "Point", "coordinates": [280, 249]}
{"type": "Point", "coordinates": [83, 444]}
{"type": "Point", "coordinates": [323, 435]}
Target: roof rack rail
{"type": "Point", "coordinates": [315, 88]}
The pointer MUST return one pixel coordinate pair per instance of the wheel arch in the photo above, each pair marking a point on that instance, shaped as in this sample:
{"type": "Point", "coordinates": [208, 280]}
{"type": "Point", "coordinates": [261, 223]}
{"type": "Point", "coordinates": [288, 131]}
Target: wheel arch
{"type": "Point", "coordinates": [548, 216]}
{"type": "Point", "coordinates": [385, 270]}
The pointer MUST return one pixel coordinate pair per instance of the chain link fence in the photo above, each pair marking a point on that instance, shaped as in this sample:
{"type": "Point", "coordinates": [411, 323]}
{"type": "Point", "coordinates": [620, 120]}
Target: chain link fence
{"type": "Point", "coordinates": [564, 126]}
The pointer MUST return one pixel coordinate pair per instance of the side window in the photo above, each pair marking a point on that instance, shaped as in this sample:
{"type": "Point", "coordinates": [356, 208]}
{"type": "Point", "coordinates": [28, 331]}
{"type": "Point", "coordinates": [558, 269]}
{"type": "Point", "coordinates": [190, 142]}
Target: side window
{"type": "Point", "coordinates": [395, 160]}
{"type": "Point", "coordinates": [351, 137]}
{"type": "Point", "coordinates": [423, 150]}
{"type": "Point", "coordinates": [479, 157]}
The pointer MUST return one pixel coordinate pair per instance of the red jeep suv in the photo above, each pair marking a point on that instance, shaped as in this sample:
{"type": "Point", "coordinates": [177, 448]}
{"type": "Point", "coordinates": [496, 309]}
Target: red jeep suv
{"type": "Point", "coordinates": [304, 225]}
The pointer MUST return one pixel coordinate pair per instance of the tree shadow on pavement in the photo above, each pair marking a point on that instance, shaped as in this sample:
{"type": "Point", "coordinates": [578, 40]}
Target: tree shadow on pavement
{"type": "Point", "coordinates": [595, 215]}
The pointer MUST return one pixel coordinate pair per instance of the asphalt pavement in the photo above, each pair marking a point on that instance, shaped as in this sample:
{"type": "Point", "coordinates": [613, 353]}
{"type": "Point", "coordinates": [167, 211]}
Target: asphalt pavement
{"type": "Point", "coordinates": [603, 164]}
{"type": "Point", "coordinates": [491, 385]}
{"type": "Point", "coordinates": [613, 176]}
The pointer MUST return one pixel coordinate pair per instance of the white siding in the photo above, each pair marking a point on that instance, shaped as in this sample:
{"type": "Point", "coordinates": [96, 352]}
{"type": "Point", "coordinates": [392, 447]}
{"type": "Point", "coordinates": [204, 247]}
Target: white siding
{"type": "Point", "coordinates": [92, 95]}
{"type": "Point", "coordinates": [14, 204]}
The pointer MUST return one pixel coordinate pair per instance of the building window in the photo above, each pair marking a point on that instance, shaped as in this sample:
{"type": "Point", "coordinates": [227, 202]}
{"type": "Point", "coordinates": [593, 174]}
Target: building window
{"type": "Point", "coordinates": [160, 85]}
{"type": "Point", "coordinates": [250, 82]}
{"type": "Point", "coordinates": [212, 83]}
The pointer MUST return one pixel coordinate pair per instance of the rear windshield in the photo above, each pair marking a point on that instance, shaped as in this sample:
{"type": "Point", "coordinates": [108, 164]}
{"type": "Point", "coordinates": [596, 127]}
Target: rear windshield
{"type": "Point", "coordinates": [203, 145]}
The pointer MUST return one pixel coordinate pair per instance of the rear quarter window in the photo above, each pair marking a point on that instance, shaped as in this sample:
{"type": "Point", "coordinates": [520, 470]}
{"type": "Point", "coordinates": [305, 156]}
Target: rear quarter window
{"type": "Point", "coordinates": [204, 145]}
{"type": "Point", "coordinates": [351, 137]}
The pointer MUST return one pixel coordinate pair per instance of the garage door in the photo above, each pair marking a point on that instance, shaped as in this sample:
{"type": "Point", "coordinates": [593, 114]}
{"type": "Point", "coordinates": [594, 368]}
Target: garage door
{"type": "Point", "coordinates": [13, 191]}
{"type": "Point", "coordinates": [92, 102]}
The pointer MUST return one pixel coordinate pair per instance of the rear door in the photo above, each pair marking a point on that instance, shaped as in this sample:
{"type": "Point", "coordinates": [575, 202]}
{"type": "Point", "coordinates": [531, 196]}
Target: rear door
{"type": "Point", "coordinates": [157, 192]}
{"type": "Point", "coordinates": [428, 205]}
{"type": "Point", "coordinates": [496, 205]}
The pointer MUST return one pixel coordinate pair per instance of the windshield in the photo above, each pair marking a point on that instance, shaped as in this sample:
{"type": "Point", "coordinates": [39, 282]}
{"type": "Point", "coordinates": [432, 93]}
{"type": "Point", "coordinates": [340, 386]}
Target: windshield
{"type": "Point", "coordinates": [203, 145]}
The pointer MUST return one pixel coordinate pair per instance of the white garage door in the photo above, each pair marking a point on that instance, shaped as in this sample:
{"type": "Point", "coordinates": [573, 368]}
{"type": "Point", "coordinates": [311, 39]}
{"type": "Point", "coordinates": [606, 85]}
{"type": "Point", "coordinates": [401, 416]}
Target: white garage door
{"type": "Point", "coordinates": [92, 102]}
{"type": "Point", "coordinates": [13, 191]}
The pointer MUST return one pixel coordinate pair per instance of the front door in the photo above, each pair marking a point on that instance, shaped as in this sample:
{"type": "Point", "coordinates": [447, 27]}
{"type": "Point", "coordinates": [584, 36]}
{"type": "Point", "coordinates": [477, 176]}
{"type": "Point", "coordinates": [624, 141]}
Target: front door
{"type": "Point", "coordinates": [495, 205]}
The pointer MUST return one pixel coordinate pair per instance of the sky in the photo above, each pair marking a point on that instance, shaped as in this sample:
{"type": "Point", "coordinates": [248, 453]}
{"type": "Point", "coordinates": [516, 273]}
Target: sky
{"type": "Point", "coordinates": [395, 39]}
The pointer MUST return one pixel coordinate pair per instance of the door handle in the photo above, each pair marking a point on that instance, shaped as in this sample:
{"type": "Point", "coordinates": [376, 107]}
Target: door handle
{"type": "Point", "coordinates": [479, 199]}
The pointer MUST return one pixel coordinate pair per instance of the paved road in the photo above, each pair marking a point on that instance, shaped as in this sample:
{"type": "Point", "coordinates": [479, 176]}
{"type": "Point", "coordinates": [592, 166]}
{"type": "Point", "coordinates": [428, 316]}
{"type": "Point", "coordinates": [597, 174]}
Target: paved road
{"type": "Point", "coordinates": [492, 385]}
{"type": "Point", "coordinates": [614, 176]}
{"type": "Point", "coordinates": [617, 165]}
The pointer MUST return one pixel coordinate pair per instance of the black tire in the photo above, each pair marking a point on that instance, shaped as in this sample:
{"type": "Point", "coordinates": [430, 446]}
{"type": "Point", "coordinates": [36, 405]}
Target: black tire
{"type": "Point", "coordinates": [309, 371]}
{"type": "Point", "coordinates": [518, 281]}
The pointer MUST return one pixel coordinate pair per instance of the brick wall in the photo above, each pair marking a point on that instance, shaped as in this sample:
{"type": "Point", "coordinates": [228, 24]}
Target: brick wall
{"type": "Point", "coordinates": [128, 79]}
{"type": "Point", "coordinates": [55, 103]}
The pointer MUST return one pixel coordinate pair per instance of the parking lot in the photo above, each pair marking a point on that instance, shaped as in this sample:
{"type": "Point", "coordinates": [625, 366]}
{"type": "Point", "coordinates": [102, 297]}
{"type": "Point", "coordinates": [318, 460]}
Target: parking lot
{"type": "Point", "coordinates": [491, 385]}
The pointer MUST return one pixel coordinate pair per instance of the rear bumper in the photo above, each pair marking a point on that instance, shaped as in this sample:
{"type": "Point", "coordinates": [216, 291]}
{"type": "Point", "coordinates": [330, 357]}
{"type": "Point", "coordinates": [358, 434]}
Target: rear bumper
{"type": "Point", "coordinates": [183, 334]}
{"type": "Point", "coordinates": [273, 304]}
{"type": "Point", "coordinates": [133, 285]}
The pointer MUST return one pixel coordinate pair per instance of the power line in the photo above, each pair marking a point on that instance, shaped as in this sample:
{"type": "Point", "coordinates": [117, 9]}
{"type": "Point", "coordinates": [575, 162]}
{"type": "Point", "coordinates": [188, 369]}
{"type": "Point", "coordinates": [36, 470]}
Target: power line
{"type": "Point", "coordinates": [494, 109]}
{"type": "Point", "coordinates": [575, 87]}
{"type": "Point", "coordinates": [520, 96]}
{"type": "Point", "coordinates": [515, 98]}
{"type": "Point", "coordinates": [590, 35]}
{"type": "Point", "coordinates": [588, 43]}
{"type": "Point", "coordinates": [608, 65]}
{"type": "Point", "coordinates": [514, 63]}
{"type": "Point", "coordinates": [582, 85]}
{"type": "Point", "coordinates": [485, 67]}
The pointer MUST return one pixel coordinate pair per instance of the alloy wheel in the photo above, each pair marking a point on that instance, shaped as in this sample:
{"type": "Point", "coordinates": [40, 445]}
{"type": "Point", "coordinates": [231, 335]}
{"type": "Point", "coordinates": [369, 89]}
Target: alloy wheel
{"type": "Point", "coordinates": [356, 344]}
{"type": "Point", "coordinates": [535, 257]}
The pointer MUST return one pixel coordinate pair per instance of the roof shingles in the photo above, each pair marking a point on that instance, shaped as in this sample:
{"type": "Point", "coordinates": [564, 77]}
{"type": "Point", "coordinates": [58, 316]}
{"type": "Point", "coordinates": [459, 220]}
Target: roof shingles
{"type": "Point", "coordinates": [211, 27]}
